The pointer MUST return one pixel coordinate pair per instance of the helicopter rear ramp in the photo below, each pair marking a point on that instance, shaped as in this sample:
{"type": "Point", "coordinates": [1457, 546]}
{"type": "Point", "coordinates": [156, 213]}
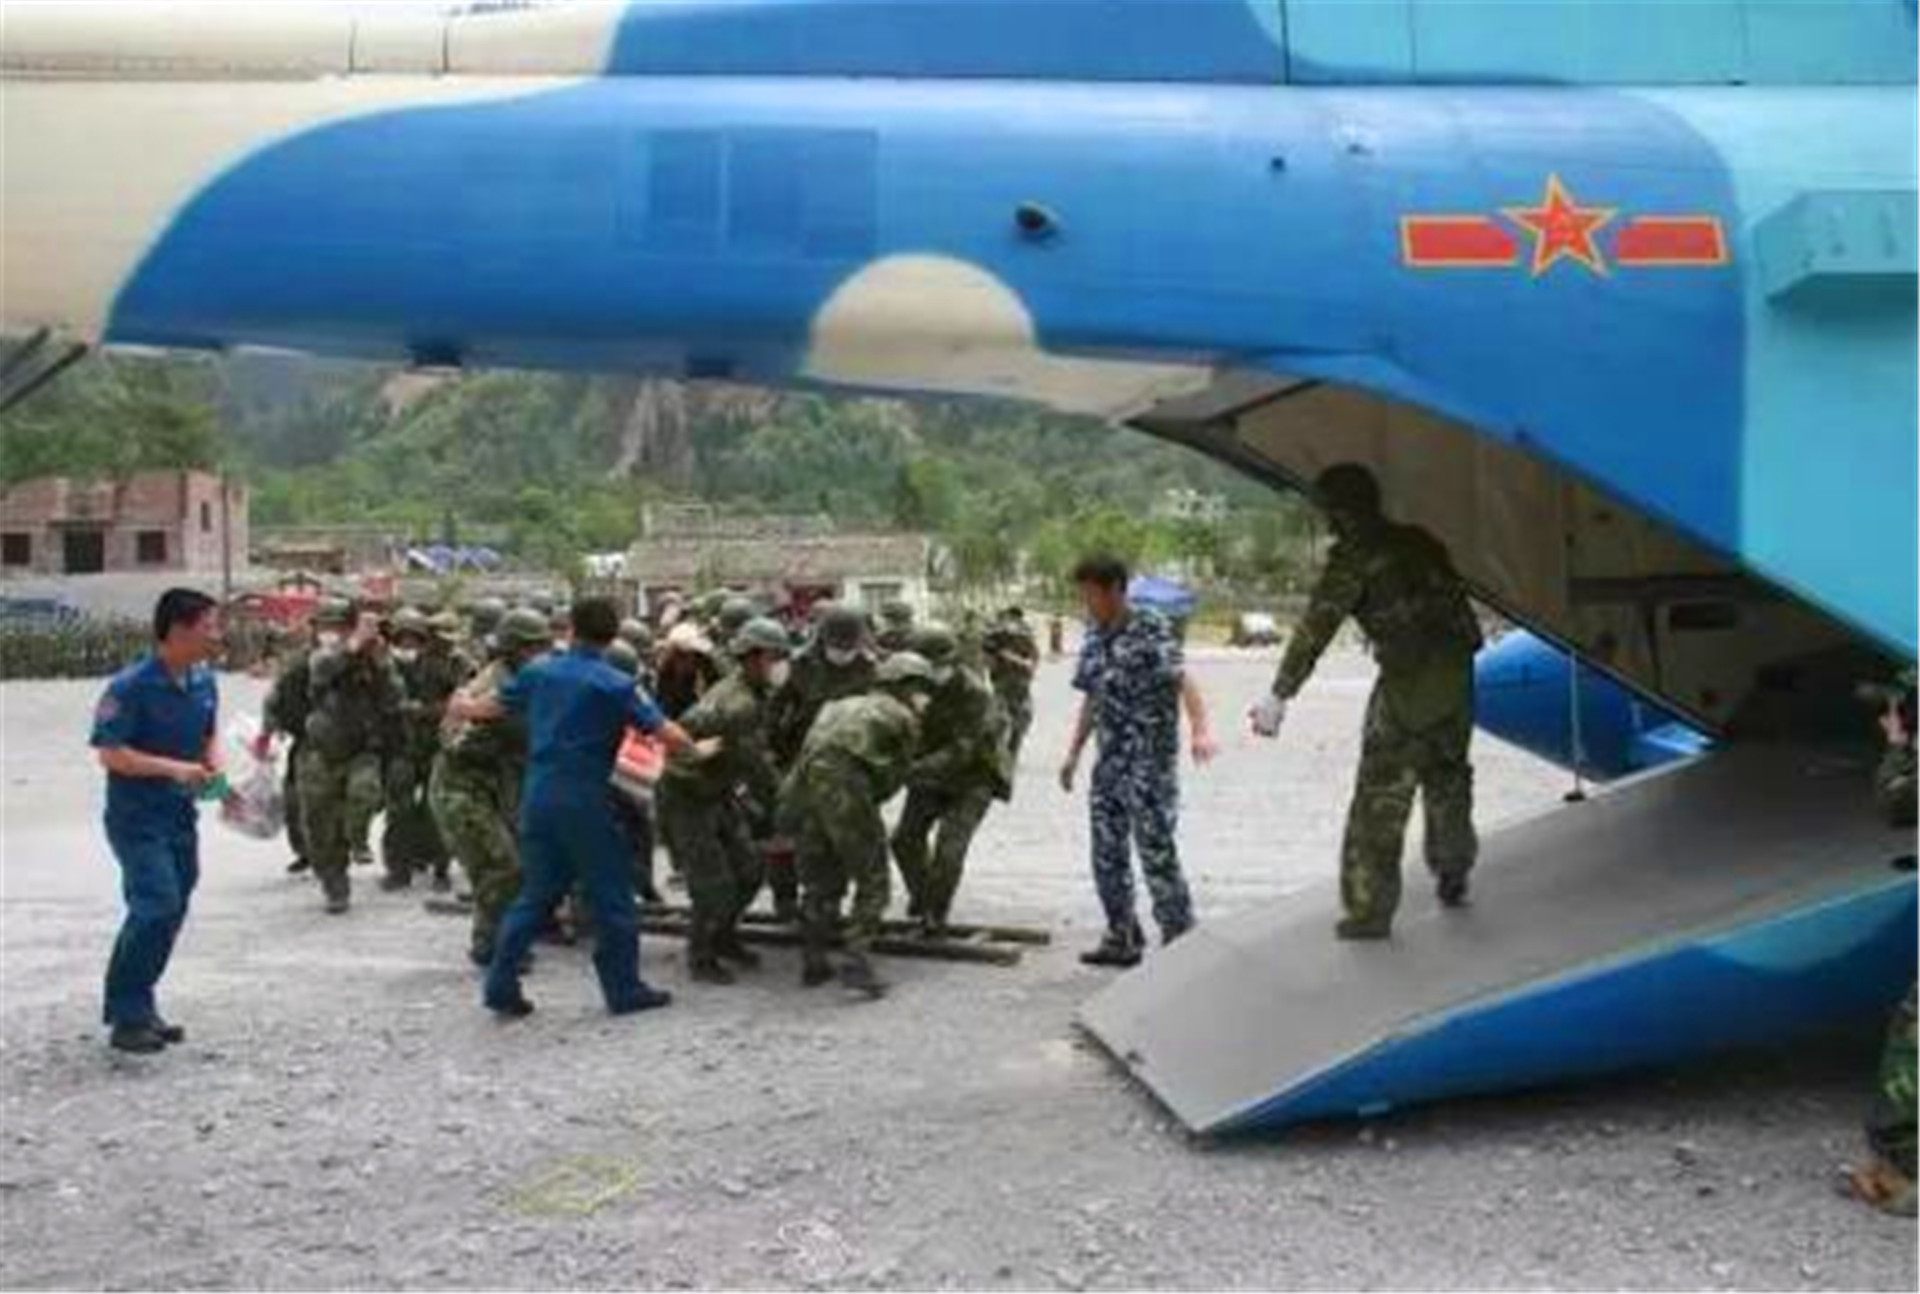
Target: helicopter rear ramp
{"type": "Point", "coordinates": [1746, 897]}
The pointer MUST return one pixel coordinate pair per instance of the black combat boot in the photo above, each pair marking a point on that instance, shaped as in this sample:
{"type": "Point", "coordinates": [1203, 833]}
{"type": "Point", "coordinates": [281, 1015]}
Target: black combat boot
{"type": "Point", "coordinates": [1120, 947]}
{"type": "Point", "coordinates": [140, 1039]}
{"type": "Point", "coordinates": [857, 973]}
{"type": "Point", "coordinates": [1451, 889]}
{"type": "Point", "coordinates": [1359, 930]}
{"type": "Point", "coordinates": [338, 892]}
{"type": "Point", "coordinates": [729, 946]}
{"type": "Point", "coordinates": [703, 961]}
{"type": "Point", "coordinates": [815, 969]}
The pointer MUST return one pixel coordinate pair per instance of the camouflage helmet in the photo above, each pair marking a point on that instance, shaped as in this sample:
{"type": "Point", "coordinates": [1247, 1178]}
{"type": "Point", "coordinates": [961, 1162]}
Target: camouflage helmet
{"type": "Point", "coordinates": [408, 622]}
{"type": "Point", "coordinates": [620, 654]}
{"type": "Point", "coordinates": [760, 635]}
{"type": "Point", "coordinates": [842, 626]}
{"type": "Point", "coordinates": [333, 613]}
{"type": "Point", "coordinates": [523, 627]}
{"type": "Point", "coordinates": [635, 634]}
{"type": "Point", "coordinates": [938, 644]}
{"type": "Point", "coordinates": [733, 615]}
{"type": "Point", "coordinates": [445, 625]}
{"type": "Point", "coordinates": [896, 613]}
{"type": "Point", "coordinates": [904, 671]}
{"type": "Point", "coordinates": [706, 607]}
{"type": "Point", "coordinates": [1348, 489]}
{"type": "Point", "coordinates": [486, 615]}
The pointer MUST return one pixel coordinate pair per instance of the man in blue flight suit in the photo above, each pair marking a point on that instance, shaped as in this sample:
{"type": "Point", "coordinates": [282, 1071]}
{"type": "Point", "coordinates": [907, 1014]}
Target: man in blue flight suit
{"type": "Point", "coordinates": [155, 731]}
{"type": "Point", "coordinates": [577, 708]}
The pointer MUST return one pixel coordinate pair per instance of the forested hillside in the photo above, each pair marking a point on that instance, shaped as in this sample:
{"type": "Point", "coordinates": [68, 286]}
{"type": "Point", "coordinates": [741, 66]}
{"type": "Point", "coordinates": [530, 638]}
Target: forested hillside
{"type": "Point", "coordinates": [560, 465]}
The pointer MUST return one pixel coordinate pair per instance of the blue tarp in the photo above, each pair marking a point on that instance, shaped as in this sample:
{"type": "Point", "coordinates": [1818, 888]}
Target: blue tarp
{"type": "Point", "coordinates": [1158, 593]}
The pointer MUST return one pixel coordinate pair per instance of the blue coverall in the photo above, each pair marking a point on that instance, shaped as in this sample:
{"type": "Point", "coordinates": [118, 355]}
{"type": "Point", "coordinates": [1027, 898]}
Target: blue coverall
{"type": "Point", "coordinates": [578, 709]}
{"type": "Point", "coordinates": [152, 823]}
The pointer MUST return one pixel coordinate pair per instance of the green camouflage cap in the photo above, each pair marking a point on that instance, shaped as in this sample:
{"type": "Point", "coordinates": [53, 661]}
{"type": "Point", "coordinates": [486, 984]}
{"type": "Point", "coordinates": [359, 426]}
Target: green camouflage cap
{"type": "Point", "coordinates": [734, 613]}
{"type": "Point", "coordinates": [621, 655]}
{"type": "Point", "coordinates": [524, 627]}
{"type": "Point", "coordinates": [408, 622]}
{"type": "Point", "coordinates": [939, 644]}
{"type": "Point", "coordinates": [896, 613]}
{"type": "Point", "coordinates": [842, 626]}
{"type": "Point", "coordinates": [904, 670]}
{"type": "Point", "coordinates": [760, 635]}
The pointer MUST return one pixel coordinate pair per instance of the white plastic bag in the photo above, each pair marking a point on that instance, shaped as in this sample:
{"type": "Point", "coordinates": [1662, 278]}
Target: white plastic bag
{"type": "Point", "coordinates": [254, 805]}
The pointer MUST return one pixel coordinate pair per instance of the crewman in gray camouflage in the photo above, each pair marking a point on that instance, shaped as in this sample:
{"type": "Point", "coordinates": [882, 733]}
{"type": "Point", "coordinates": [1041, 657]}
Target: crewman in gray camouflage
{"type": "Point", "coordinates": [1133, 682]}
{"type": "Point", "coordinates": [961, 767]}
{"type": "Point", "coordinates": [715, 811]}
{"type": "Point", "coordinates": [1400, 585]}
{"type": "Point", "coordinates": [855, 759]}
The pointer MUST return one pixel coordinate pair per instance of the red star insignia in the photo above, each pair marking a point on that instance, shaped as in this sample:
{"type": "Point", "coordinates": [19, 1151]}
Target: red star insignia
{"type": "Point", "coordinates": [1561, 227]}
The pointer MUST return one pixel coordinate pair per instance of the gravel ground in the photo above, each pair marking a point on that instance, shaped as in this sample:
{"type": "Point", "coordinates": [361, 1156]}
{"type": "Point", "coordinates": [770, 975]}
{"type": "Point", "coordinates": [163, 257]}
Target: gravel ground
{"type": "Point", "coordinates": [345, 1115]}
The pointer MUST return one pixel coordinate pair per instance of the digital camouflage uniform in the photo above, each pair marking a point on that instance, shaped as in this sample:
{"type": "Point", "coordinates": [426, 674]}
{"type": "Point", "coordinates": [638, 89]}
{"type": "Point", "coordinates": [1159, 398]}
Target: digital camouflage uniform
{"type": "Point", "coordinates": [354, 722]}
{"type": "Point", "coordinates": [1132, 674]}
{"type": "Point", "coordinates": [708, 828]}
{"type": "Point", "coordinates": [411, 842]}
{"type": "Point", "coordinates": [1399, 584]}
{"type": "Point", "coordinates": [475, 796]}
{"type": "Point", "coordinates": [815, 683]}
{"type": "Point", "coordinates": [958, 771]}
{"type": "Point", "coordinates": [285, 711]}
{"type": "Point", "coordinates": [855, 759]}
{"type": "Point", "coordinates": [816, 680]}
{"type": "Point", "coordinates": [1890, 1123]}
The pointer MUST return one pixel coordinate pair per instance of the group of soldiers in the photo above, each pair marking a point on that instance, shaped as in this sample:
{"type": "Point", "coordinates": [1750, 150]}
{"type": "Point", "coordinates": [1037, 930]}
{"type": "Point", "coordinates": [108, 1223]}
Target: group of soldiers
{"type": "Point", "coordinates": [806, 726]}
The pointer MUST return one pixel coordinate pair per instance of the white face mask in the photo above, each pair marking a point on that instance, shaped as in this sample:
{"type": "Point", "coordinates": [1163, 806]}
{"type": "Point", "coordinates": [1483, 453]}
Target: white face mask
{"type": "Point", "coordinates": [942, 675]}
{"type": "Point", "coordinates": [918, 702]}
{"type": "Point", "coordinates": [778, 673]}
{"type": "Point", "coordinates": [329, 639]}
{"type": "Point", "coordinates": [842, 656]}
{"type": "Point", "coordinates": [406, 655]}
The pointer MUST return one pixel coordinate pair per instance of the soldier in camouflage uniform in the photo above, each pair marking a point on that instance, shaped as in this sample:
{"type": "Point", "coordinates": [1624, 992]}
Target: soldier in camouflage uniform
{"type": "Point", "coordinates": [734, 613]}
{"type": "Point", "coordinates": [835, 664]}
{"type": "Point", "coordinates": [715, 811]}
{"type": "Point", "coordinates": [354, 724]}
{"type": "Point", "coordinates": [431, 669]}
{"type": "Point", "coordinates": [1399, 584]}
{"type": "Point", "coordinates": [1132, 677]}
{"type": "Point", "coordinates": [475, 789]}
{"type": "Point", "coordinates": [958, 771]}
{"type": "Point", "coordinates": [896, 627]}
{"type": "Point", "coordinates": [483, 620]}
{"type": "Point", "coordinates": [636, 635]}
{"type": "Point", "coordinates": [287, 706]}
{"type": "Point", "coordinates": [1887, 1180]}
{"type": "Point", "coordinates": [855, 759]}
{"type": "Point", "coordinates": [1013, 656]}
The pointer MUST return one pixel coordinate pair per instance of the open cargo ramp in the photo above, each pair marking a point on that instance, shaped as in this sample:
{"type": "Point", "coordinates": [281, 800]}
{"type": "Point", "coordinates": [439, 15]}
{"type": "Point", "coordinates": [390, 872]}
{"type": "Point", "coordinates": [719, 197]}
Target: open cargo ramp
{"type": "Point", "coordinates": [1744, 898]}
